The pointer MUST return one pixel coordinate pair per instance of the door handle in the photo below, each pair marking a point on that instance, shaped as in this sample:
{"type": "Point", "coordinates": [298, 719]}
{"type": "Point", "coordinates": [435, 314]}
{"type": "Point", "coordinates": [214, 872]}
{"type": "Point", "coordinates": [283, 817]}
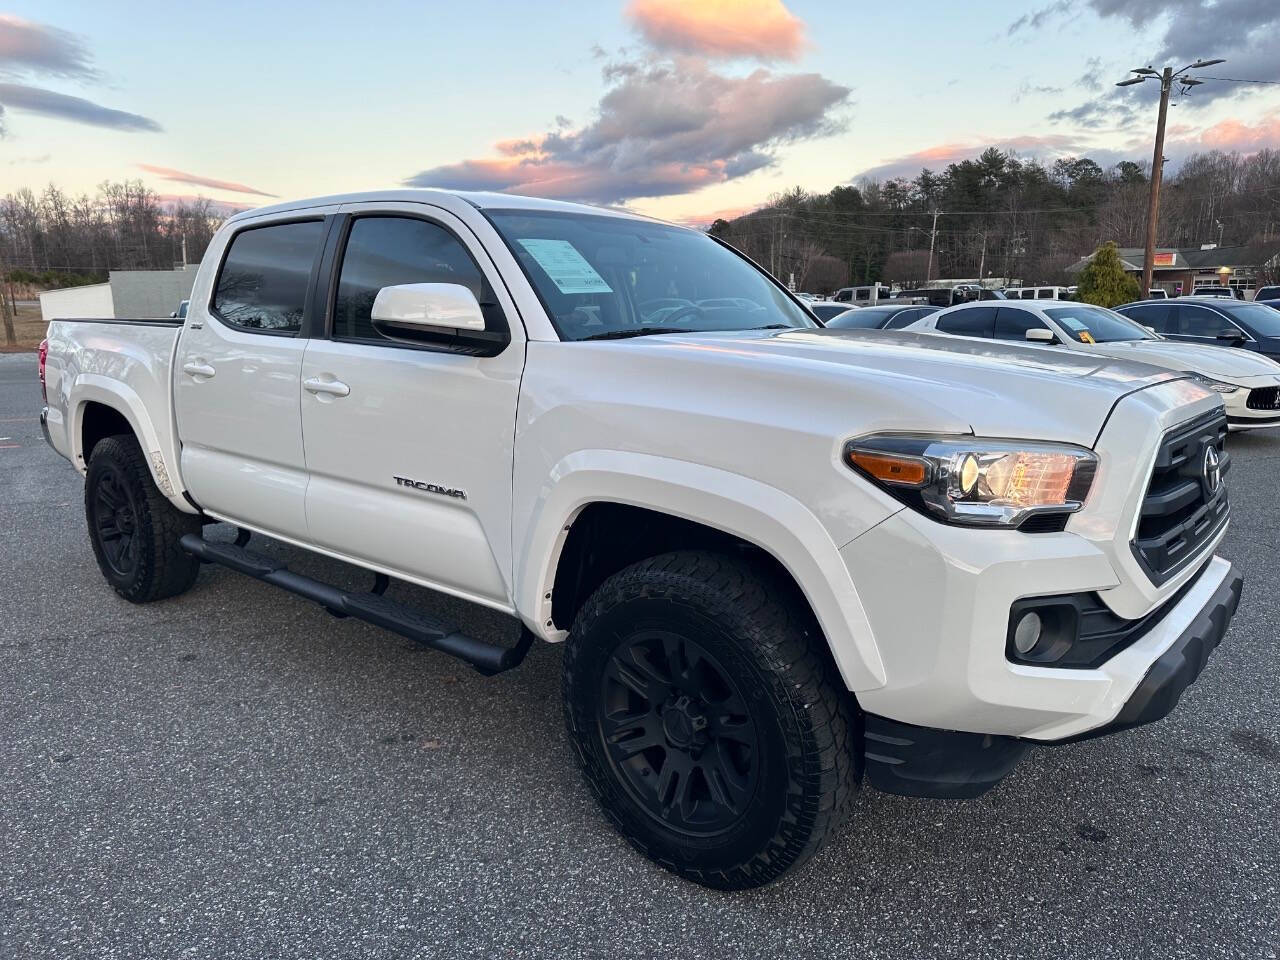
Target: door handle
{"type": "Point", "coordinates": [197, 369]}
{"type": "Point", "coordinates": [335, 388]}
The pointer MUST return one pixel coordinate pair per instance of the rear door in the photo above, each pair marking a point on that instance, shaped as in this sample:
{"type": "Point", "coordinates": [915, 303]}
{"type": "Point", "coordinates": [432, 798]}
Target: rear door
{"type": "Point", "coordinates": [238, 372]}
{"type": "Point", "coordinates": [409, 446]}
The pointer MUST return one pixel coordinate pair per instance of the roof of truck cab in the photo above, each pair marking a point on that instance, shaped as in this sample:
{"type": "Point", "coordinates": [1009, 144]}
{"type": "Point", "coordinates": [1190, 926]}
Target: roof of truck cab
{"type": "Point", "coordinates": [479, 200]}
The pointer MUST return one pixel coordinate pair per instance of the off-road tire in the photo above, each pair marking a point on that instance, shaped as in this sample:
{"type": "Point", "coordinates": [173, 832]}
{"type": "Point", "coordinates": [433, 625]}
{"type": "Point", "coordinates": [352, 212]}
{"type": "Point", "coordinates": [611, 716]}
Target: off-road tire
{"type": "Point", "coordinates": [768, 646]}
{"type": "Point", "coordinates": [155, 566]}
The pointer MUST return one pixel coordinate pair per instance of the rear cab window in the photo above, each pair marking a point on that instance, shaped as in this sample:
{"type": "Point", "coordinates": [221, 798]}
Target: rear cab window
{"type": "Point", "coordinates": [266, 273]}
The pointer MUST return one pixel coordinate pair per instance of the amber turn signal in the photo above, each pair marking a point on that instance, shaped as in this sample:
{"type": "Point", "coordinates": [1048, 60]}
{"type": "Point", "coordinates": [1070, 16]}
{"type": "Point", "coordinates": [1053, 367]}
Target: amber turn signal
{"type": "Point", "coordinates": [887, 468]}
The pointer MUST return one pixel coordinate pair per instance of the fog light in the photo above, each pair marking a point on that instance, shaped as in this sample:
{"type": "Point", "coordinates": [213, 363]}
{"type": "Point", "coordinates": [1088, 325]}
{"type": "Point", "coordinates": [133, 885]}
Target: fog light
{"type": "Point", "coordinates": [1027, 633]}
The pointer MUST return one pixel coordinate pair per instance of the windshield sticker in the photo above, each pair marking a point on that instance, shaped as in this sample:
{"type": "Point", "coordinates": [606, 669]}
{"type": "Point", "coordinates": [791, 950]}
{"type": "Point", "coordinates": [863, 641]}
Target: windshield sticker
{"type": "Point", "coordinates": [566, 267]}
{"type": "Point", "coordinates": [1079, 329]}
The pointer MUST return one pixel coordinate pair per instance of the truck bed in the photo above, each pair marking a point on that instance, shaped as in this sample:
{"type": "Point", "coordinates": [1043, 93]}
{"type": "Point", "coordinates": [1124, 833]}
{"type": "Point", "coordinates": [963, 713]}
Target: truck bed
{"type": "Point", "coordinates": [127, 365]}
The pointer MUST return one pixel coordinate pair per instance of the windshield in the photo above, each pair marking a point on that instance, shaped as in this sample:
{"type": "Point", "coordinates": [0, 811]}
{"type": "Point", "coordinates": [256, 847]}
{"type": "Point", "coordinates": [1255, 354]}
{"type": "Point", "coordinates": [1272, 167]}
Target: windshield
{"type": "Point", "coordinates": [1087, 323]}
{"type": "Point", "coordinates": [601, 276]}
{"type": "Point", "coordinates": [1264, 321]}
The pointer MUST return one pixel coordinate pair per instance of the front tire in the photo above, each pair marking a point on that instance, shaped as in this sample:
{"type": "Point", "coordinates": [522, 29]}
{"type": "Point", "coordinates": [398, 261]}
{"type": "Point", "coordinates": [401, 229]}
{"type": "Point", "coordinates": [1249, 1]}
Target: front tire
{"type": "Point", "coordinates": [134, 530]}
{"type": "Point", "coordinates": [708, 719]}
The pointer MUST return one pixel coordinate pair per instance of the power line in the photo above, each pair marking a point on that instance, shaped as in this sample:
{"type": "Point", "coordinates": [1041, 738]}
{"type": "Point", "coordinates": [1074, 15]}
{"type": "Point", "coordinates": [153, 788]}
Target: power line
{"type": "Point", "coordinates": [1237, 80]}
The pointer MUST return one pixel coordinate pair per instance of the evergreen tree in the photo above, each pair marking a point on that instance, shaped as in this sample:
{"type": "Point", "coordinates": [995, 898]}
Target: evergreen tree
{"type": "Point", "coordinates": [1103, 281]}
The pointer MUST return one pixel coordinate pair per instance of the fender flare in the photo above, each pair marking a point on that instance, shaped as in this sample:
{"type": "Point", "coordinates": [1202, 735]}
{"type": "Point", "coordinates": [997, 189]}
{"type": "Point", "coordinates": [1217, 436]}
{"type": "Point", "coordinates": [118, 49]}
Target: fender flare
{"type": "Point", "coordinates": [93, 388]}
{"type": "Point", "coordinates": [762, 515]}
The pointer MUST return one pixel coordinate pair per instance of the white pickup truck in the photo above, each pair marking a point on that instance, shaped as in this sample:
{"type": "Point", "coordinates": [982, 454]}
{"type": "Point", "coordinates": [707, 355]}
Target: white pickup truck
{"type": "Point", "coordinates": [784, 559]}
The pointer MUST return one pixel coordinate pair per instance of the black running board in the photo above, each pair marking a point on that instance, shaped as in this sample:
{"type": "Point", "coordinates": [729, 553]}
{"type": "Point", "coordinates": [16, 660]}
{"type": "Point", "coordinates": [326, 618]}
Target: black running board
{"type": "Point", "coordinates": [488, 658]}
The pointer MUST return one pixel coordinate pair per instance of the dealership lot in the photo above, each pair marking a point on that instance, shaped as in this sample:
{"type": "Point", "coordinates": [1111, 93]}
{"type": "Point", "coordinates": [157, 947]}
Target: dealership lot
{"type": "Point", "coordinates": [234, 773]}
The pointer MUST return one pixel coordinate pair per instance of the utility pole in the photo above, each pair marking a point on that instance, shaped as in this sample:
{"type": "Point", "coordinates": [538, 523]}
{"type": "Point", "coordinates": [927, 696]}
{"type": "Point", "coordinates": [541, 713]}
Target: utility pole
{"type": "Point", "coordinates": [982, 262]}
{"type": "Point", "coordinates": [1157, 175]}
{"type": "Point", "coordinates": [933, 233]}
{"type": "Point", "coordinates": [1167, 76]}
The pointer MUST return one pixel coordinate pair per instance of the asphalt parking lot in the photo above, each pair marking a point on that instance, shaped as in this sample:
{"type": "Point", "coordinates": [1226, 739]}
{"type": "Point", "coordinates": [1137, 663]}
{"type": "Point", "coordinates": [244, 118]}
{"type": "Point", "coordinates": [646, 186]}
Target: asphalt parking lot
{"type": "Point", "coordinates": [233, 773]}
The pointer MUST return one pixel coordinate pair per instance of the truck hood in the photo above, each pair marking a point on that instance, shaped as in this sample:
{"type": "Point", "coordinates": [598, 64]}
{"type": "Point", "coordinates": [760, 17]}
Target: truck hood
{"type": "Point", "coordinates": [1220, 363]}
{"type": "Point", "coordinates": [914, 381]}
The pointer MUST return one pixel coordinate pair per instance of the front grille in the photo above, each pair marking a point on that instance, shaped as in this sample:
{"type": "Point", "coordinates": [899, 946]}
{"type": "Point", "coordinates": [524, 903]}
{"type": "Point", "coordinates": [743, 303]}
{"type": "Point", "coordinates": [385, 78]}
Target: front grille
{"type": "Point", "coordinates": [1264, 398]}
{"type": "Point", "coordinates": [1182, 511]}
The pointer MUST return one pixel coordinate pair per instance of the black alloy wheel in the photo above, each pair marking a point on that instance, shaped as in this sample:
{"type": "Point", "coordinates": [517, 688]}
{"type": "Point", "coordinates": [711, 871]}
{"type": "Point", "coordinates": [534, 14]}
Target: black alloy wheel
{"type": "Point", "coordinates": [113, 513]}
{"type": "Point", "coordinates": [679, 733]}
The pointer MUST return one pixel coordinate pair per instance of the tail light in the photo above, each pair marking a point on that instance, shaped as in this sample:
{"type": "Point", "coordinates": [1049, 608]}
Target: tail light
{"type": "Point", "coordinates": [44, 355]}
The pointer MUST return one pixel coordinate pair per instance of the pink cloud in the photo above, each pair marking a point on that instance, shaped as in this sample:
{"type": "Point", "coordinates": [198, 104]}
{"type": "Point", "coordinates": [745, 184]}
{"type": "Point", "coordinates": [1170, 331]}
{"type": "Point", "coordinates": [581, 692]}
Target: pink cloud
{"type": "Point", "coordinates": [942, 154]}
{"type": "Point", "coordinates": [725, 213]}
{"type": "Point", "coordinates": [1235, 135]}
{"type": "Point", "coordinates": [180, 176]}
{"type": "Point", "coordinates": [760, 29]}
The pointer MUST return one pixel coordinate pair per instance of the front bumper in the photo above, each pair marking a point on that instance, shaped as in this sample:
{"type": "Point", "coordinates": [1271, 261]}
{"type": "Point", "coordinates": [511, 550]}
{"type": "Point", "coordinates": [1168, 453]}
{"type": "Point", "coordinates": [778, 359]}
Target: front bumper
{"type": "Point", "coordinates": [1241, 415]}
{"type": "Point", "coordinates": [911, 760]}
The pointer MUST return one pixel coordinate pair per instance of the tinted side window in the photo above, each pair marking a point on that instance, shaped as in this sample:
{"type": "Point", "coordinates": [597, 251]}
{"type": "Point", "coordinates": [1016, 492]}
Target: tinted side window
{"type": "Point", "coordinates": [1199, 322]}
{"type": "Point", "coordinates": [265, 275]}
{"type": "Point", "coordinates": [974, 322]}
{"type": "Point", "coordinates": [1013, 324]}
{"type": "Point", "coordinates": [1156, 316]}
{"type": "Point", "coordinates": [1044, 294]}
{"type": "Point", "coordinates": [904, 317]}
{"type": "Point", "coordinates": [385, 251]}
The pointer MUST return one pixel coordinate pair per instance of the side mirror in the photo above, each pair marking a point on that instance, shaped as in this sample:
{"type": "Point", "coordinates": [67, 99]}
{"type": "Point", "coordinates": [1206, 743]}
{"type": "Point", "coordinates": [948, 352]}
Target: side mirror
{"type": "Point", "coordinates": [1041, 335]}
{"type": "Point", "coordinates": [1231, 335]}
{"type": "Point", "coordinates": [435, 307]}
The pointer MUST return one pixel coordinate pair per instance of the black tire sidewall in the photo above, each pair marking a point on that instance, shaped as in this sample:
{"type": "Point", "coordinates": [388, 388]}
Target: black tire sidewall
{"type": "Point", "coordinates": [746, 846]}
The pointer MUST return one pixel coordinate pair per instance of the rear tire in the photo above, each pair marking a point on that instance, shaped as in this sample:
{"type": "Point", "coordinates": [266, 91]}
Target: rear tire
{"type": "Point", "coordinates": [708, 719]}
{"type": "Point", "coordinates": [134, 529]}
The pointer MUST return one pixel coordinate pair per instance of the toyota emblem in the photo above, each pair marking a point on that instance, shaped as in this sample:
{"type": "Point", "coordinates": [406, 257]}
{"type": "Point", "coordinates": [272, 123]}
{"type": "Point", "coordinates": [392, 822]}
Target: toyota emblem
{"type": "Point", "coordinates": [1212, 470]}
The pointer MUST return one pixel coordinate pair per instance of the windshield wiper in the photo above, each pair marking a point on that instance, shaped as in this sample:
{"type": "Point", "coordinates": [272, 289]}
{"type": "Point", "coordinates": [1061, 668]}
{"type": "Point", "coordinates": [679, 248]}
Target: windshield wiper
{"type": "Point", "coordinates": [632, 332]}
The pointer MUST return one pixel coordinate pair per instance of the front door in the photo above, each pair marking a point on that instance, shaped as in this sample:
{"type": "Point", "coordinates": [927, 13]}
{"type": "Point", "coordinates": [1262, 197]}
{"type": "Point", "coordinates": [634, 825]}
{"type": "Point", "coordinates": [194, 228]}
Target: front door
{"type": "Point", "coordinates": [237, 379]}
{"type": "Point", "coordinates": [409, 446]}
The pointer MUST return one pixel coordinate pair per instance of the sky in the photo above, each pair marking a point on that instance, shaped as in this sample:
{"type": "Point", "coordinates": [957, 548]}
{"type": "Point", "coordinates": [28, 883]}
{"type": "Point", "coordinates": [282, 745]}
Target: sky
{"type": "Point", "coordinates": [681, 109]}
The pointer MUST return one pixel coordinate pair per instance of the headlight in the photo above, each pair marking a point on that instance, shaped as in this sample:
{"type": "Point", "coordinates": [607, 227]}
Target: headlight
{"type": "Point", "coordinates": [1216, 385]}
{"type": "Point", "coordinates": [976, 482]}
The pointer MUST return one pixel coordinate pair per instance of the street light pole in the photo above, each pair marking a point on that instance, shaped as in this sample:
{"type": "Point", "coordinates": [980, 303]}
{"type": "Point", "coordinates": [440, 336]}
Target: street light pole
{"type": "Point", "coordinates": [1166, 78]}
{"type": "Point", "coordinates": [1157, 175]}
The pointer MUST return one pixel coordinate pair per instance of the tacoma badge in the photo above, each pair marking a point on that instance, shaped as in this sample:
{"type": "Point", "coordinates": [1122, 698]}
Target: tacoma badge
{"type": "Point", "coordinates": [432, 488]}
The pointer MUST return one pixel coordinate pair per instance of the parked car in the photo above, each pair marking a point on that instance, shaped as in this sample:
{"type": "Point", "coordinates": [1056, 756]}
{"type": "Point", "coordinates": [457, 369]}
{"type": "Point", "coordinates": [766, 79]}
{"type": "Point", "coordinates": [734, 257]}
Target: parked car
{"type": "Point", "coordinates": [1267, 293]}
{"type": "Point", "coordinates": [1229, 292]}
{"type": "Point", "coordinates": [1214, 321]}
{"type": "Point", "coordinates": [1249, 384]}
{"type": "Point", "coordinates": [1038, 293]}
{"type": "Point", "coordinates": [884, 317]}
{"type": "Point", "coordinates": [782, 559]}
{"type": "Point", "coordinates": [829, 310]}
{"type": "Point", "coordinates": [1158, 293]}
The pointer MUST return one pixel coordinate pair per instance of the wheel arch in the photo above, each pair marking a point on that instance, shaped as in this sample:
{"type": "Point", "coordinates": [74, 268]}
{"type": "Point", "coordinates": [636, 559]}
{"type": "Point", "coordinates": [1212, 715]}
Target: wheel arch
{"type": "Point", "coordinates": [105, 407]}
{"type": "Point", "coordinates": [658, 501]}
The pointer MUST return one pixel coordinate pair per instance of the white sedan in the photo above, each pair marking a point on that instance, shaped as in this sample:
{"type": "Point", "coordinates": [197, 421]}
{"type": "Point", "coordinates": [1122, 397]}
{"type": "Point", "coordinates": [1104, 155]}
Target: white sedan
{"type": "Point", "coordinates": [1249, 382]}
